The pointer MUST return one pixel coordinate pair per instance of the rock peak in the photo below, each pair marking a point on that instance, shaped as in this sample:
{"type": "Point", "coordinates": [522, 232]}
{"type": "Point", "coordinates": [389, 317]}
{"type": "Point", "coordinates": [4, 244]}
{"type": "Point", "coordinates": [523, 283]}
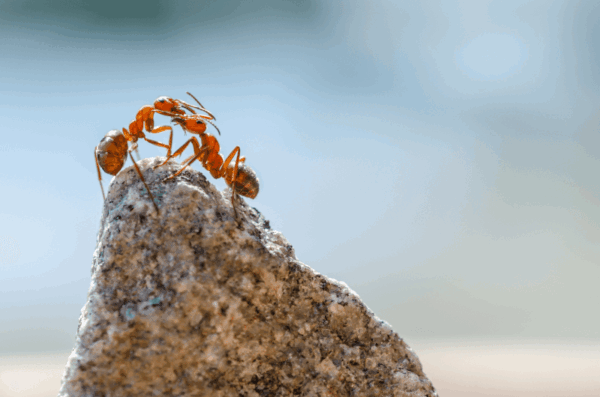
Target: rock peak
{"type": "Point", "coordinates": [193, 301]}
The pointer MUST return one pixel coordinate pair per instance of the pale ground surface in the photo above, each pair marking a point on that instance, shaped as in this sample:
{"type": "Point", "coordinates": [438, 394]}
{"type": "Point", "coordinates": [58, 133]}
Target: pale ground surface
{"type": "Point", "coordinates": [523, 368]}
{"type": "Point", "coordinates": [32, 375]}
{"type": "Point", "coordinates": [515, 368]}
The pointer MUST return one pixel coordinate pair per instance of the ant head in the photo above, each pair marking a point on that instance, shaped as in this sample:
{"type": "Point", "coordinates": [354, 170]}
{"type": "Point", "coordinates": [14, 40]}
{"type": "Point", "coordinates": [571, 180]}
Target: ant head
{"type": "Point", "coordinates": [164, 103]}
{"type": "Point", "coordinates": [195, 125]}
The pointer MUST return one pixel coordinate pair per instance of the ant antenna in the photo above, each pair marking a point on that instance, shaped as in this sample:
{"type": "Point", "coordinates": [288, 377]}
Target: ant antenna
{"type": "Point", "coordinates": [213, 124]}
{"type": "Point", "coordinates": [202, 107]}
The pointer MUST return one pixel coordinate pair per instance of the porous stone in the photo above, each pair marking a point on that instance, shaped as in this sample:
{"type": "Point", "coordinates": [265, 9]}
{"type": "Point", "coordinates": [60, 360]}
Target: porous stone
{"type": "Point", "coordinates": [193, 301]}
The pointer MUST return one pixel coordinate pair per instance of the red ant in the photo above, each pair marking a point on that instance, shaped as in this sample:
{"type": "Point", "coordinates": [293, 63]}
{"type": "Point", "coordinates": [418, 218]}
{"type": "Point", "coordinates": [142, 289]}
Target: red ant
{"type": "Point", "coordinates": [111, 155]}
{"type": "Point", "coordinates": [111, 152]}
{"type": "Point", "coordinates": [241, 178]}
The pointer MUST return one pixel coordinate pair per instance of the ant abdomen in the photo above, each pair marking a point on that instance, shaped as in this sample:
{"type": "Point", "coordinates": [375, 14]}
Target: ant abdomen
{"type": "Point", "coordinates": [111, 152]}
{"type": "Point", "coordinates": [246, 183]}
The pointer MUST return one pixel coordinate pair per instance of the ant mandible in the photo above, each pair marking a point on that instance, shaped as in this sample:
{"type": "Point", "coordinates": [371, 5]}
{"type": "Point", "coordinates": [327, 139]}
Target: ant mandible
{"type": "Point", "coordinates": [241, 178]}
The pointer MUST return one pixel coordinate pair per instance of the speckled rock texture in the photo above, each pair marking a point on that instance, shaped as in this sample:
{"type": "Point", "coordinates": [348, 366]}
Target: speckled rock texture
{"type": "Point", "coordinates": [195, 302]}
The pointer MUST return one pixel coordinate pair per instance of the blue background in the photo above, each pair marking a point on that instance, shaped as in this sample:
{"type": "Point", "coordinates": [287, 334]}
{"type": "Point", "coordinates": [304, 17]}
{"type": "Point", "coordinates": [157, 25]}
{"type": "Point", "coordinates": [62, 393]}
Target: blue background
{"type": "Point", "coordinates": [440, 157]}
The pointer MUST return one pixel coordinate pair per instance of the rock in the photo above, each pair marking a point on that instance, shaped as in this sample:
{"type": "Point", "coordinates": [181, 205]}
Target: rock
{"type": "Point", "coordinates": [194, 302]}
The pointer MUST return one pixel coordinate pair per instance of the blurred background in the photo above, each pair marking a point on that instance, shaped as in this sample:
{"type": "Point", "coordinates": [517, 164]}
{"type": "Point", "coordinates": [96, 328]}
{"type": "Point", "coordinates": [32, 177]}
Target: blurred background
{"type": "Point", "coordinates": [440, 157]}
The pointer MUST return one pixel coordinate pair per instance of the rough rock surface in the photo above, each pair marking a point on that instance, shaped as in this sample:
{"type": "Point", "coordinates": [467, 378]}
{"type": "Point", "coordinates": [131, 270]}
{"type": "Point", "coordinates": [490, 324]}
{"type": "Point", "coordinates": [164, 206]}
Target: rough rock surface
{"type": "Point", "coordinates": [193, 302]}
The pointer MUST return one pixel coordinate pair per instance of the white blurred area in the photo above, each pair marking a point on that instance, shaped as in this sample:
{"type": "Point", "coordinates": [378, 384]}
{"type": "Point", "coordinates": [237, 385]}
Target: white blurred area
{"type": "Point", "coordinates": [31, 375]}
{"type": "Point", "coordinates": [511, 368]}
{"type": "Point", "coordinates": [457, 368]}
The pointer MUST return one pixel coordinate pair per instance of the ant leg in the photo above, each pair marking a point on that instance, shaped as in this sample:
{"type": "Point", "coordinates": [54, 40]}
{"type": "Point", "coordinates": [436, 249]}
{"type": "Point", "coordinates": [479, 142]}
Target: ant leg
{"type": "Point", "coordinates": [196, 156]}
{"type": "Point", "coordinates": [148, 124]}
{"type": "Point", "coordinates": [235, 173]}
{"type": "Point", "coordinates": [230, 157]}
{"type": "Point", "coordinates": [161, 129]}
{"type": "Point", "coordinates": [99, 174]}
{"type": "Point", "coordinates": [158, 144]}
{"type": "Point", "coordinates": [189, 158]}
{"type": "Point", "coordinates": [179, 151]}
{"type": "Point", "coordinates": [144, 181]}
{"type": "Point", "coordinates": [137, 154]}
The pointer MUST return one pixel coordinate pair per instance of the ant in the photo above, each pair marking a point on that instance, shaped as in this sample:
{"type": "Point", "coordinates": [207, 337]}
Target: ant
{"type": "Point", "coordinates": [111, 152]}
{"type": "Point", "coordinates": [111, 155]}
{"type": "Point", "coordinates": [241, 178]}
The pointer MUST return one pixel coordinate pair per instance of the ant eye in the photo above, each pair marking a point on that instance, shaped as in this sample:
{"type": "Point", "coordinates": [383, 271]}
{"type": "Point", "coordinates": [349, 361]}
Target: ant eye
{"type": "Point", "coordinates": [161, 100]}
{"type": "Point", "coordinates": [199, 122]}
